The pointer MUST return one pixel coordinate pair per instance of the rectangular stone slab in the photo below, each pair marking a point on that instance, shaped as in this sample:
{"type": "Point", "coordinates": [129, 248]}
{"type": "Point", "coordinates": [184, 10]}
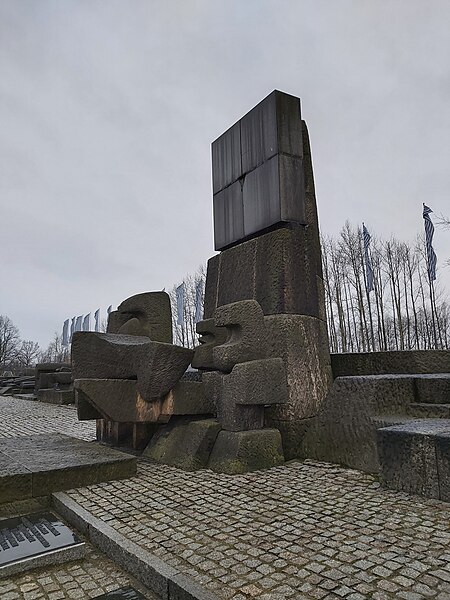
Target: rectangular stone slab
{"type": "Point", "coordinates": [42, 464]}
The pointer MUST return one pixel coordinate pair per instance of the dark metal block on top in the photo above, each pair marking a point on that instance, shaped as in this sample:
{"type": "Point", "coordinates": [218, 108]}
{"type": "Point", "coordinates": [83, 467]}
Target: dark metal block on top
{"type": "Point", "coordinates": [258, 177]}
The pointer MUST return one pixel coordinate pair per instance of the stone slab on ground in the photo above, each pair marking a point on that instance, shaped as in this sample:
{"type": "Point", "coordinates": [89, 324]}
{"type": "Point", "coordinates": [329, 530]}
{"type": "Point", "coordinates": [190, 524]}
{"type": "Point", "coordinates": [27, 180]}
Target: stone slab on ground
{"type": "Point", "coordinates": [56, 396]}
{"type": "Point", "coordinates": [383, 363]}
{"type": "Point", "coordinates": [42, 464]}
{"type": "Point", "coordinates": [415, 457]}
{"type": "Point", "coordinates": [299, 531]}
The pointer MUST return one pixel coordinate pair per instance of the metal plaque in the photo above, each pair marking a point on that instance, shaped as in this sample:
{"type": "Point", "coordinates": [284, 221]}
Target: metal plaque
{"type": "Point", "coordinates": [125, 593]}
{"type": "Point", "coordinates": [32, 535]}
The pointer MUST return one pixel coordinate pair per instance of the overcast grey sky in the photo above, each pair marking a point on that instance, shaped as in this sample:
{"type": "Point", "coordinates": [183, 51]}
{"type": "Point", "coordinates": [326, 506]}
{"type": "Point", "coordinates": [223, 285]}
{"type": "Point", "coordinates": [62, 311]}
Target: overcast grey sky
{"type": "Point", "coordinates": [108, 109]}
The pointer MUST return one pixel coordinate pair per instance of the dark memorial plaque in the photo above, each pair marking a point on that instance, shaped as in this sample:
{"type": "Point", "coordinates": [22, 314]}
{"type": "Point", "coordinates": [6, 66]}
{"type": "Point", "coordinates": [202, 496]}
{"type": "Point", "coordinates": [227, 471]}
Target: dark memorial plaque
{"type": "Point", "coordinates": [28, 537]}
{"type": "Point", "coordinates": [126, 593]}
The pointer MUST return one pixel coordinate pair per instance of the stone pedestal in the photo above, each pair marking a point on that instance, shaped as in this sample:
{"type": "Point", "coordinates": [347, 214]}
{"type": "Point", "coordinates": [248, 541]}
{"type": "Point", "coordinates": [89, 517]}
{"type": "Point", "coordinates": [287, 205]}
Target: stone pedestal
{"type": "Point", "coordinates": [302, 343]}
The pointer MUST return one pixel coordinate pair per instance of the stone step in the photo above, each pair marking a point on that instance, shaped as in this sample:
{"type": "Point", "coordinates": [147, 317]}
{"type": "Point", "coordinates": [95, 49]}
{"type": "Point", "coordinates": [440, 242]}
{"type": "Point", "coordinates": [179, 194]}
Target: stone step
{"type": "Point", "coordinates": [415, 457]}
{"type": "Point", "coordinates": [427, 410]}
{"type": "Point", "coordinates": [39, 465]}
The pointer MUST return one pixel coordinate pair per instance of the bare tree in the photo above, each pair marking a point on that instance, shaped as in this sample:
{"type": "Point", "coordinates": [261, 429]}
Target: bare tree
{"type": "Point", "coordinates": [184, 334]}
{"type": "Point", "coordinates": [55, 351]}
{"type": "Point", "coordinates": [28, 353]}
{"type": "Point", "coordinates": [9, 341]}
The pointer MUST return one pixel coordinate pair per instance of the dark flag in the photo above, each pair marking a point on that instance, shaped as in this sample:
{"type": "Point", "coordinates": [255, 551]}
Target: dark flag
{"type": "Point", "coordinates": [429, 232]}
{"type": "Point", "coordinates": [369, 269]}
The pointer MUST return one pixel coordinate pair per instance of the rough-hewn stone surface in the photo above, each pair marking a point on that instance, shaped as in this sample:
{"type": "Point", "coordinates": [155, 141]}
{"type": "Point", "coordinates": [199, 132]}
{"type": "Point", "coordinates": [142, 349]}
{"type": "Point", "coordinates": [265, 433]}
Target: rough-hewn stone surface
{"type": "Point", "coordinates": [247, 389]}
{"type": "Point", "coordinates": [246, 334]}
{"type": "Point", "coordinates": [209, 337]}
{"type": "Point", "coordinates": [56, 396]}
{"type": "Point", "coordinates": [119, 400]}
{"type": "Point", "coordinates": [56, 462]}
{"type": "Point", "coordinates": [298, 531]}
{"type": "Point", "coordinates": [184, 443]}
{"type": "Point", "coordinates": [415, 457]}
{"type": "Point", "coordinates": [244, 451]}
{"type": "Point", "coordinates": [345, 429]}
{"type": "Point", "coordinates": [281, 270]}
{"type": "Point", "coordinates": [148, 314]}
{"type": "Point", "coordinates": [156, 366]}
{"type": "Point", "coordinates": [380, 363]}
{"type": "Point", "coordinates": [302, 343]}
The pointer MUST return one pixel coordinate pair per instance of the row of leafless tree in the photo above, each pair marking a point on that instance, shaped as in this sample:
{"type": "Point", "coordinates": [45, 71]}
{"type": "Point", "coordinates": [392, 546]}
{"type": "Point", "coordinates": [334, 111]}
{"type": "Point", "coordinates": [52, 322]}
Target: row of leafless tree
{"type": "Point", "coordinates": [404, 311]}
{"type": "Point", "coordinates": [17, 354]}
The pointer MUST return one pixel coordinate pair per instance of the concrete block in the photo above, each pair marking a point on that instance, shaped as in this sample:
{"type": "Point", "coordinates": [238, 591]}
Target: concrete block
{"type": "Point", "coordinates": [243, 451]}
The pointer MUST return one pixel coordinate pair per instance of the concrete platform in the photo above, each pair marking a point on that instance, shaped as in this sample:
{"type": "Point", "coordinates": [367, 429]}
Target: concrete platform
{"type": "Point", "coordinates": [39, 465]}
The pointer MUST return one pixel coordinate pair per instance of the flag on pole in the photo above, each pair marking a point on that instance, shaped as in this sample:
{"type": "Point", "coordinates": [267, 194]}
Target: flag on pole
{"type": "Point", "coordinates": [96, 319]}
{"type": "Point", "coordinates": [87, 322]}
{"type": "Point", "coordinates": [109, 309]}
{"type": "Point", "coordinates": [199, 300]}
{"type": "Point", "coordinates": [369, 268]}
{"type": "Point", "coordinates": [429, 232]}
{"type": "Point", "coordinates": [72, 328]}
{"type": "Point", "coordinates": [79, 323]}
{"type": "Point", "coordinates": [180, 303]}
{"type": "Point", "coordinates": [65, 333]}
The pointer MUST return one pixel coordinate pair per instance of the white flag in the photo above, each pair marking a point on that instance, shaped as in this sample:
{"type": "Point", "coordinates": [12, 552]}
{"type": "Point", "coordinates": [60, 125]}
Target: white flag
{"type": "Point", "coordinates": [199, 301]}
{"type": "Point", "coordinates": [87, 322]}
{"type": "Point", "coordinates": [180, 304]}
{"type": "Point", "coordinates": [65, 333]}
{"type": "Point", "coordinates": [97, 318]}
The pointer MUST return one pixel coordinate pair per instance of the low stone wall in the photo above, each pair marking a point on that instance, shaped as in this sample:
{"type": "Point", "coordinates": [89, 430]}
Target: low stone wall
{"type": "Point", "coordinates": [383, 363]}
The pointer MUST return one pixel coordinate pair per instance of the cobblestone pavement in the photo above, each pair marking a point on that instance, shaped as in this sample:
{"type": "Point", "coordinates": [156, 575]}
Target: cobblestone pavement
{"type": "Point", "coordinates": [304, 530]}
{"type": "Point", "coordinates": [26, 417]}
{"type": "Point", "coordinates": [93, 576]}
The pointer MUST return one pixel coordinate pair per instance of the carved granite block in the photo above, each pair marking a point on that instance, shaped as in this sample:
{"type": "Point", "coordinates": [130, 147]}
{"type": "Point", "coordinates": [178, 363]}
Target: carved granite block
{"type": "Point", "coordinates": [210, 337]}
{"type": "Point", "coordinates": [246, 334]}
{"type": "Point", "coordinates": [156, 366]}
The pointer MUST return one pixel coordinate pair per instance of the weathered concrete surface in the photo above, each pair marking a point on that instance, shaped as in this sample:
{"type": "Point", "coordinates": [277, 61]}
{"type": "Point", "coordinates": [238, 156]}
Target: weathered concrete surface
{"type": "Point", "coordinates": [209, 337]}
{"type": "Point", "coordinates": [302, 343]}
{"type": "Point", "coordinates": [415, 457]}
{"type": "Point", "coordinates": [42, 464]}
{"type": "Point", "coordinates": [243, 451]}
{"type": "Point", "coordinates": [184, 443]}
{"type": "Point", "coordinates": [380, 363]}
{"type": "Point", "coordinates": [156, 366]}
{"type": "Point", "coordinates": [246, 334]}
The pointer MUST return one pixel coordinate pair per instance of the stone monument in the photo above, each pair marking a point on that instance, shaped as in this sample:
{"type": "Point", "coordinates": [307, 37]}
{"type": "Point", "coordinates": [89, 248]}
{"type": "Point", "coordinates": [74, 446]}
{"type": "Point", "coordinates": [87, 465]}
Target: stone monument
{"type": "Point", "coordinates": [266, 227]}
